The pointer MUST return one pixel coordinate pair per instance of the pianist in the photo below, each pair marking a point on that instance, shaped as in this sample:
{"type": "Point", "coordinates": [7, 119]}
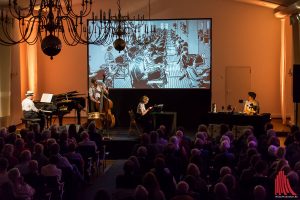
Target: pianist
{"type": "Point", "coordinates": [95, 92]}
{"type": "Point", "coordinates": [30, 111]}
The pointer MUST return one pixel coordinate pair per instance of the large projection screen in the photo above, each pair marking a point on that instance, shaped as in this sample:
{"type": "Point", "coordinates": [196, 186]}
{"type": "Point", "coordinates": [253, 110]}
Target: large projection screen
{"type": "Point", "coordinates": [177, 57]}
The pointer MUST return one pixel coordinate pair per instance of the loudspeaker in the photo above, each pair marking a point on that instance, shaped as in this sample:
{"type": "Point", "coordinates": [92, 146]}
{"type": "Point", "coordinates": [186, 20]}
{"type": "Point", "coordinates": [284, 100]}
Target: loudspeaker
{"type": "Point", "coordinates": [296, 83]}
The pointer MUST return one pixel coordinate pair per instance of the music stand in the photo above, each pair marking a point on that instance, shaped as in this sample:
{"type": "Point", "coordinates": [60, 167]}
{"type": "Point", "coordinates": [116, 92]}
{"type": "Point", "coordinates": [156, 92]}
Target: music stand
{"type": "Point", "coordinates": [158, 108]}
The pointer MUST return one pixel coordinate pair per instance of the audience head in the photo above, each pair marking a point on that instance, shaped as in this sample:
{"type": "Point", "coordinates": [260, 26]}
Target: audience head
{"type": "Point", "coordinates": [251, 152]}
{"type": "Point", "coordinates": [128, 167]}
{"type": "Point", "coordinates": [8, 150]}
{"type": "Point", "coordinates": [193, 169]}
{"type": "Point", "coordinates": [297, 136]}
{"type": "Point", "coordinates": [225, 137]}
{"type": "Point", "coordinates": [247, 132]}
{"type": "Point", "coordinates": [202, 128]}
{"type": "Point", "coordinates": [14, 175]}
{"type": "Point", "coordinates": [268, 126]}
{"type": "Point", "coordinates": [102, 194]}
{"type": "Point", "coordinates": [182, 187]}
{"type": "Point", "coordinates": [25, 156]}
{"type": "Point", "coordinates": [230, 135]}
{"type": "Point", "coordinates": [140, 193]}
{"type": "Point", "coordinates": [252, 144]}
{"type": "Point", "coordinates": [272, 149]}
{"type": "Point", "coordinates": [179, 134]}
{"type": "Point", "coordinates": [201, 135]}
{"type": "Point", "coordinates": [135, 162]}
{"type": "Point", "coordinates": [174, 141]}
{"type": "Point", "coordinates": [294, 128]}
{"type": "Point", "coordinates": [223, 129]}
{"type": "Point", "coordinates": [221, 191]}
{"type": "Point", "coordinates": [36, 128]}
{"type": "Point", "coordinates": [142, 151]}
{"type": "Point", "coordinates": [85, 135]}
{"type": "Point", "coordinates": [33, 166]}
{"type": "Point", "coordinates": [12, 129]}
{"type": "Point", "coordinates": [259, 192]}
{"type": "Point", "coordinates": [150, 182]}
{"type": "Point", "coordinates": [30, 136]}
{"type": "Point", "coordinates": [271, 133]}
{"type": "Point", "coordinates": [199, 143]}
{"type": "Point", "coordinates": [72, 147]}
{"type": "Point", "coordinates": [38, 148]}
{"type": "Point", "coordinates": [253, 159]}
{"type": "Point", "coordinates": [3, 164]}
{"type": "Point", "coordinates": [273, 140]}
{"type": "Point", "coordinates": [293, 178]}
{"type": "Point", "coordinates": [224, 146]}
{"type": "Point", "coordinates": [145, 139]}
{"type": "Point", "coordinates": [225, 170]}
{"type": "Point", "coordinates": [19, 143]}
{"type": "Point", "coordinates": [230, 181]}
{"type": "Point", "coordinates": [54, 149]}
{"type": "Point", "coordinates": [92, 127]}
{"type": "Point", "coordinates": [154, 137]}
{"type": "Point", "coordinates": [195, 152]}
{"type": "Point", "coordinates": [50, 141]}
{"type": "Point", "coordinates": [280, 153]}
{"type": "Point", "coordinates": [72, 130]}
{"type": "Point", "coordinates": [159, 163]}
{"type": "Point", "coordinates": [260, 167]}
{"type": "Point", "coordinates": [3, 132]}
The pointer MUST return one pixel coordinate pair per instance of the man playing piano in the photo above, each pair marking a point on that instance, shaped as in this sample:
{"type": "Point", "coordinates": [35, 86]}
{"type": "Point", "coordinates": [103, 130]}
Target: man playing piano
{"type": "Point", "coordinates": [95, 91]}
{"type": "Point", "coordinates": [30, 111]}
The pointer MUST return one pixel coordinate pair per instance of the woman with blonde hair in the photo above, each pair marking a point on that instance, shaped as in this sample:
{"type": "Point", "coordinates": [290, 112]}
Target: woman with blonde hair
{"type": "Point", "coordinates": [143, 117]}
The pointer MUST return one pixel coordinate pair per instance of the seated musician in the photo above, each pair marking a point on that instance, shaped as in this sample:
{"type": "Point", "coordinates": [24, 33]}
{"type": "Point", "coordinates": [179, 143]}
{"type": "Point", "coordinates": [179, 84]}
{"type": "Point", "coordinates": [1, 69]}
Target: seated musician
{"type": "Point", "coordinates": [95, 91]}
{"type": "Point", "coordinates": [30, 111]}
{"type": "Point", "coordinates": [251, 106]}
{"type": "Point", "coordinates": [143, 116]}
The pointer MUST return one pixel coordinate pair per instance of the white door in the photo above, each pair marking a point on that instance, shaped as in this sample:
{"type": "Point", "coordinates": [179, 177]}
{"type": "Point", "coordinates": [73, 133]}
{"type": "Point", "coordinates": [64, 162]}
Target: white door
{"type": "Point", "coordinates": [238, 84]}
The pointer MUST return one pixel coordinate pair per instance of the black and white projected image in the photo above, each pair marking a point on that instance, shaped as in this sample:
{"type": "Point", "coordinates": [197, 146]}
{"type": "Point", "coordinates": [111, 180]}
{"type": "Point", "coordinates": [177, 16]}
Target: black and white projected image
{"type": "Point", "coordinates": [177, 56]}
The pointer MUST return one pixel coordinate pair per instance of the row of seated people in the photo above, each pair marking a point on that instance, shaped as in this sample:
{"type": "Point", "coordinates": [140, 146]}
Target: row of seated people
{"type": "Point", "coordinates": [178, 167]}
{"type": "Point", "coordinates": [221, 168]}
{"type": "Point", "coordinates": [48, 164]}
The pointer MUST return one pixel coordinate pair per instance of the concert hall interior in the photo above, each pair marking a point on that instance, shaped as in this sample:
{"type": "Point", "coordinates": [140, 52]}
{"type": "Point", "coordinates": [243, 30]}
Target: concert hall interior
{"type": "Point", "coordinates": [243, 46]}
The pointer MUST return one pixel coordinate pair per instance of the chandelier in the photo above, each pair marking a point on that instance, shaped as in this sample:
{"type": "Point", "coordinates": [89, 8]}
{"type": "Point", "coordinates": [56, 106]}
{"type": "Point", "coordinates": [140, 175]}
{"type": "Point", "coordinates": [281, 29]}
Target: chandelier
{"type": "Point", "coordinates": [121, 29]}
{"type": "Point", "coordinates": [48, 21]}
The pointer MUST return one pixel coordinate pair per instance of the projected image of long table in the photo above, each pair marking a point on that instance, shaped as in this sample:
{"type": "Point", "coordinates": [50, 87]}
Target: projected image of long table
{"type": "Point", "coordinates": [257, 121]}
{"type": "Point", "coordinates": [169, 119]}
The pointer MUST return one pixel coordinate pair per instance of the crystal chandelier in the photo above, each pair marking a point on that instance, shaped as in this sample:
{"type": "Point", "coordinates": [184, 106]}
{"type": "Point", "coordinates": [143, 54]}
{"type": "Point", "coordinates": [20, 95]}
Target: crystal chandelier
{"type": "Point", "coordinates": [48, 21]}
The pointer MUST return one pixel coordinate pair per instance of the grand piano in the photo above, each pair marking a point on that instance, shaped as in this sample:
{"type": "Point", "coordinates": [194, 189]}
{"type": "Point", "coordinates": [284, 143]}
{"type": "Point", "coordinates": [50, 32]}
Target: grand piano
{"type": "Point", "coordinates": [62, 104]}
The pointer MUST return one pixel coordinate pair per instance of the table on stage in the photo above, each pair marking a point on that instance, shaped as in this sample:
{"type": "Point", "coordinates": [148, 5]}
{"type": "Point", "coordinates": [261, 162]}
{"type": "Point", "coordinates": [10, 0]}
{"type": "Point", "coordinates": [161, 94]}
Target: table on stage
{"type": "Point", "coordinates": [169, 119]}
{"type": "Point", "coordinates": [240, 119]}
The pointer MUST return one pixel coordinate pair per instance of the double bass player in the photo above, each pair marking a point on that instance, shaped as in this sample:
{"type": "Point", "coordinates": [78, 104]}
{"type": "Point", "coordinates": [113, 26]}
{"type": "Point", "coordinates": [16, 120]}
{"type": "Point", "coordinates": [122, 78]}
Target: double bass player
{"type": "Point", "coordinates": [95, 92]}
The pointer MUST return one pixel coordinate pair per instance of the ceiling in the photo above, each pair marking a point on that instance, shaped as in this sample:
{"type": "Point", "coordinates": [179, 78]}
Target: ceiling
{"type": "Point", "coordinates": [284, 3]}
{"type": "Point", "coordinates": [274, 4]}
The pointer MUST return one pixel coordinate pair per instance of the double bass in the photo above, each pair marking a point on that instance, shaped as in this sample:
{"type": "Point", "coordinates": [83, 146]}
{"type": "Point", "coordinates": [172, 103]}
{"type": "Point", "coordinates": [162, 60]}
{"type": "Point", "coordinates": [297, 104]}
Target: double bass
{"type": "Point", "coordinates": [107, 119]}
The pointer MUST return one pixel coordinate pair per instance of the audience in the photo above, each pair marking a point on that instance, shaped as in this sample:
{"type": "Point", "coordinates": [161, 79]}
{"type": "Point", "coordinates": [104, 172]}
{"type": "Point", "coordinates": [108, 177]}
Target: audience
{"type": "Point", "coordinates": [162, 166]}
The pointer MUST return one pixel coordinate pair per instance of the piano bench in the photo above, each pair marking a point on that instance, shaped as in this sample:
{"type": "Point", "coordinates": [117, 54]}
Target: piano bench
{"type": "Point", "coordinates": [28, 122]}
